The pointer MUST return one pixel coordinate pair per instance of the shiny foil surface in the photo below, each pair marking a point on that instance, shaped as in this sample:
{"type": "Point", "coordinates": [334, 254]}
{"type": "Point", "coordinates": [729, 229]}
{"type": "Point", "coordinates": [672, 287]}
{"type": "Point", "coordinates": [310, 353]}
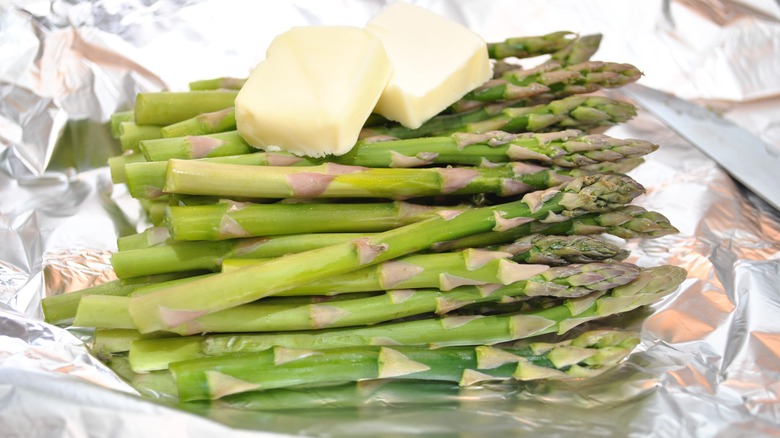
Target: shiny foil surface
{"type": "Point", "coordinates": [709, 361]}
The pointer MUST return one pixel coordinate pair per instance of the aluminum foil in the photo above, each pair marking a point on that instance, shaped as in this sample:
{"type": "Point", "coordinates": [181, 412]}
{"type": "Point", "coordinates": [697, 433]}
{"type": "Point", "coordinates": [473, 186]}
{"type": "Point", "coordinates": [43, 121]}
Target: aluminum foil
{"type": "Point", "coordinates": [709, 363]}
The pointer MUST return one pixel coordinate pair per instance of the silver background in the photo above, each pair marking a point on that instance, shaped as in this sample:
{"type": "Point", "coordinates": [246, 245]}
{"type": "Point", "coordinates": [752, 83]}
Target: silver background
{"type": "Point", "coordinates": [709, 362]}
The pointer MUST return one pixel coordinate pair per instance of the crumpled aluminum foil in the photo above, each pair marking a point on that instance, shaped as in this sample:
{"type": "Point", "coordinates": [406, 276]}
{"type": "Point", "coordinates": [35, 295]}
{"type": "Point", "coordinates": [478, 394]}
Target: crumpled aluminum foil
{"type": "Point", "coordinates": [709, 363]}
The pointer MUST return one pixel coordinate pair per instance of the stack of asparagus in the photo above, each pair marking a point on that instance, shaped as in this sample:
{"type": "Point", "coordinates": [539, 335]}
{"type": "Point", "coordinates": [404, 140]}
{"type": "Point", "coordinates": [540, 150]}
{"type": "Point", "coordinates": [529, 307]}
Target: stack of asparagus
{"type": "Point", "coordinates": [440, 253]}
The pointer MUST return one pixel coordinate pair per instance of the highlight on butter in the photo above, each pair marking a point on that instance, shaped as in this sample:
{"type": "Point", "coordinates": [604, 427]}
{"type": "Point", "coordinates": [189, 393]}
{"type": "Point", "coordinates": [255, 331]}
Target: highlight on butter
{"type": "Point", "coordinates": [314, 91]}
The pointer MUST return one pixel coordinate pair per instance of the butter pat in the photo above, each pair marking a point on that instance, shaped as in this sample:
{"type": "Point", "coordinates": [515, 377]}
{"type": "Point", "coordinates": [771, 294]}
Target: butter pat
{"type": "Point", "coordinates": [314, 91]}
{"type": "Point", "coordinates": [435, 62]}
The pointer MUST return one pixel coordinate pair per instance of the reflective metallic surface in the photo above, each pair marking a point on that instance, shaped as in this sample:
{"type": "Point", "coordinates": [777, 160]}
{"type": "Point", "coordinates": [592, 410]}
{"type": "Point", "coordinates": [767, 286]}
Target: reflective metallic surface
{"type": "Point", "coordinates": [709, 363]}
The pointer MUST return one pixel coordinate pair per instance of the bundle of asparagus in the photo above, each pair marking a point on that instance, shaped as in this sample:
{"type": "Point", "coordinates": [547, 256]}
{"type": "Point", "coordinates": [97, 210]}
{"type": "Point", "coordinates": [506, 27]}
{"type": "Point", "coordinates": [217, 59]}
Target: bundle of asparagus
{"type": "Point", "coordinates": [446, 252]}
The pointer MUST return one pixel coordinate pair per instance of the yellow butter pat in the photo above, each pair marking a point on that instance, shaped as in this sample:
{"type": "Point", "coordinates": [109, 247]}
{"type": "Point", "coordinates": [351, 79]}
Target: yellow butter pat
{"type": "Point", "coordinates": [314, 90]}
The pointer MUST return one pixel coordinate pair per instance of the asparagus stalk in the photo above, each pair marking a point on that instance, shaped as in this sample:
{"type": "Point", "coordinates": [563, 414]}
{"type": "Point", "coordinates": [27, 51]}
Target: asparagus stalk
{"type": "Point", "coordinates": [61, 309]}
{"type": "Point", "coordinates": [131, 134]}
{"type": "Point", "coordinates": [551, 81]}
{"type": "Point", "coordinates": [229, 220]}
{"type": "Point", "coordinates": [168, 107]}
{"type": "Point", "coordinates": [152, 236]}
{"type": "Point", "coordinates": [176, 305]}
{"type": "Point", "coordinates": [155, 210]}
{"type": "Point", "coordinates": [202, 124]}
{"type": "Point", "coordinates": [146, 180]}
{"type": "Point", "coordinates": [567, 149]}
{"type": "Point", "coordinates": [107, 342]}
{"type": "Point", "coordinates": [208, 255]}
{"type": "Point", "coordinates": [195, 146]}
{"type": "Point", "coordinates": [332, 180]}
{"type": "Point", "coordinates": [444, 271]}
{"type": "Point", "coordinates": [570, 148]}
{"type": "Point", "coordinates": [365, 393]}
{"type": "Point", "coordinates": [263, 316]}
{"type": "Point", "coordinates": [626, 222]}
{"type": "Point", "coordinates": [652, 285]}
{"type": "Point", "coordinates": [116, 165]}
{"type": "Point", "coordinates": [117, 118]}
{"type": "Point", "coordinates": [530, 46]}
{"type": "Point", "coordinates": [588, 355]}
{"type": "Point", "coordinates": [227, 83]}
{"type": "Point", "coordinates": [577, 112]}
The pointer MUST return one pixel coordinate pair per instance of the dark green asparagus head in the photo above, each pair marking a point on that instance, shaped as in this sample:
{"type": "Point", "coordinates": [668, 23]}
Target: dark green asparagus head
{"type": "Point", "coordinates": [561, 250]}
{"type": "Point", "coordinates": [590, 193]}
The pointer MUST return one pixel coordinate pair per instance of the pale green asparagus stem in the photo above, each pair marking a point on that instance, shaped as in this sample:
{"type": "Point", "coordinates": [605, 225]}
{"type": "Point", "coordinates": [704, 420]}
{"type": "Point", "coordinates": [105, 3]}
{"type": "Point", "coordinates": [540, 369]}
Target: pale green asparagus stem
{"type": "Point", "coordinates": [116, 165]}
{"type": "Point", "coordinates": [195, 146]}
{"type": "Point", "coordinates": [146, 180]}
{"type": "Point", "coordinates": [230, 220]}
{"type": "Point", "coordinates": [202, 124]}
{"type": "Point", "coordinates": [117, 118]}
{"type": "Point", "coordinates": [208, 255]}
{"type": "Point", "coordinates": [332, 180]}
{"type": "Point", "coordinates": [168, 107]}
{"type": "Point", "coordinates": [131, 134]}
{"type": "Point", "coordinates": [227, 83]}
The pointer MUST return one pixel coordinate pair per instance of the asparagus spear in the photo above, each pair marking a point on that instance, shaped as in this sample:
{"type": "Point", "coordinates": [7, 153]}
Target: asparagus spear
{"type": "Point", "coordinates": [365, 393]}
{"type": "Point", "coordinates": [167, 107]}
{"type": "Point", "coordinates": [152, 236]}
{"type": "Point", "coordinates": [443, 271]}
{"type": "Point", "coordinates": [61, 309]}
{"type": "Point", "coordinates": [146, 180]}
{"type": "Point", "coordinates": [626, 222]}
{"type": "Point", "coordinates": [332, 180]}
{"type": "Point", "coordinates": [208, 255]}
{"type": "Point", "coordinates": [203, 124]}
{"type": "Point", "coordinates": [267, 315]}
{"type": "Point", "coordinates": [588, 355]}
{"type": "Point", "coordinates": [195, 146]}
{"type": "Point", "coordinates": [554, 81]}
{"type": "Point", "coordinates": [176, 305]}
{"type": "Point", "coordinates": [530, 46]}
{"type": "Point", "coordinates": [106, 342]}
{"type": "Point", "coordinates": [568, 148]}
{"type": "Point", "coordinates": [229, 220]}
{"type": "Point", "coordinates": [116, 165]}
{"type": "Point", "coordinates": [227, 83]}
{"type": "Point", "coordinates": [131, 134]}
{"type": "Point", "coordinates": [578, 112]}
{"type": "Point", "coordinates": [652, 285]}
{"type": "Point", "coordinates": [117, 118]}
